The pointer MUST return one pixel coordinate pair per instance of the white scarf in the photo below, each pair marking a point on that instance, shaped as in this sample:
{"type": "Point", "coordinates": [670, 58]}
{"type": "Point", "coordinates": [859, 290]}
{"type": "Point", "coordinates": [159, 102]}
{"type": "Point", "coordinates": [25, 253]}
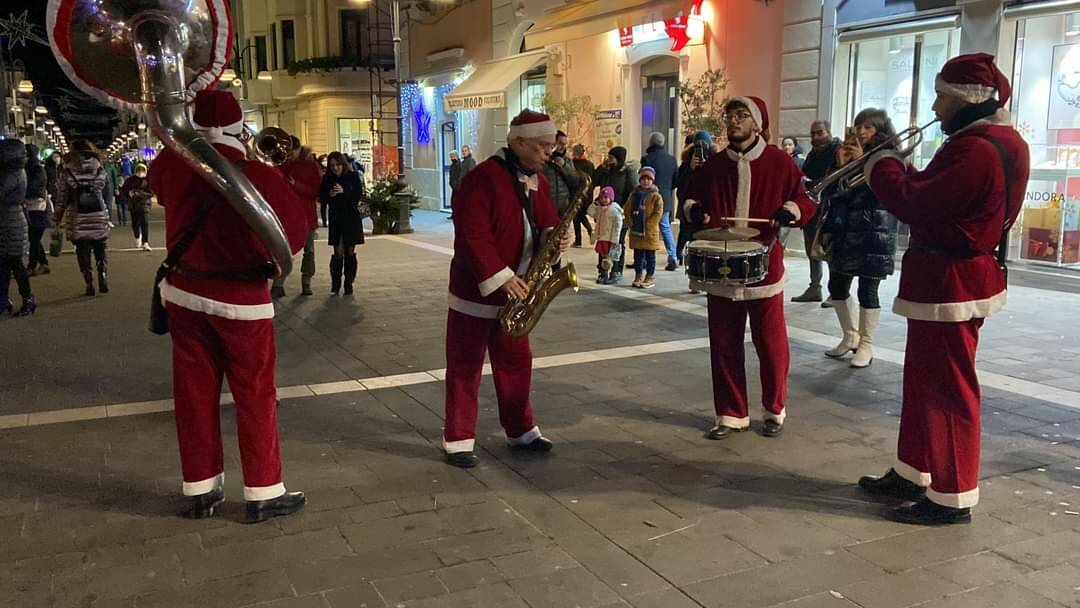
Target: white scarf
{"type": "Point", "coordinates": [742, 161]}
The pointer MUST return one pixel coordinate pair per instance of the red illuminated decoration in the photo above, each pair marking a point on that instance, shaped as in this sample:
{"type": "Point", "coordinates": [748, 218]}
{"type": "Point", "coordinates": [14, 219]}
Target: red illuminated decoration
{"type": "Point", "coordinates": [676, 30]}
{"type": "Point", "coordinates": [695, 7]}
{"type": "Point", "coordinates": [626, 36]}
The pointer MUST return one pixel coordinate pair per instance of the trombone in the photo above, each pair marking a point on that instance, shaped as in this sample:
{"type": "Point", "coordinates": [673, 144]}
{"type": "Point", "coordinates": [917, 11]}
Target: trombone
{"type": "Point", "coordinates": [851, 175]}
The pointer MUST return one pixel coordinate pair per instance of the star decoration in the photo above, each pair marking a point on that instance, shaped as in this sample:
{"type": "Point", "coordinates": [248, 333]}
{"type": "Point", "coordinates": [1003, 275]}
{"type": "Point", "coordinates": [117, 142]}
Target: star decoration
{"type": "Point", "coordinates": [18, 30]}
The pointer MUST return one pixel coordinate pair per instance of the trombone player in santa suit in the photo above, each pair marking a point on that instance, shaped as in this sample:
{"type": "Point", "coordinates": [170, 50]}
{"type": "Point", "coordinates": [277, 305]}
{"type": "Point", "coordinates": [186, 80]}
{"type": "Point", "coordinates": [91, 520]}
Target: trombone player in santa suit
{"type": "Point", "coordinates": [750, 179]}
{"type": "Point", "coordinates": [503, 212]}
{"type": "Point", "coordinates": [960, 209]}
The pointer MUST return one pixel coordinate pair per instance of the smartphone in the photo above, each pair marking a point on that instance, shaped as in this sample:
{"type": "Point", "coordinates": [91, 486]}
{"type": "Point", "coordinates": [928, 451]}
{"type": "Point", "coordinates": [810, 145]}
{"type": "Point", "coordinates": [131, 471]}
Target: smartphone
{"type": "Point", "coordinates": [701, 150]}
{"type": "Point", "coordinates": [849, 137]}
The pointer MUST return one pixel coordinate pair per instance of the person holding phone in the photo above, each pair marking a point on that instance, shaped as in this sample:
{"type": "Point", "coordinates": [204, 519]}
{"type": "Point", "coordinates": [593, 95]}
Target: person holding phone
{"type": "Point", "coordinates": [342, 189]}
{"type": "Point", "coordinates": [698, 147]}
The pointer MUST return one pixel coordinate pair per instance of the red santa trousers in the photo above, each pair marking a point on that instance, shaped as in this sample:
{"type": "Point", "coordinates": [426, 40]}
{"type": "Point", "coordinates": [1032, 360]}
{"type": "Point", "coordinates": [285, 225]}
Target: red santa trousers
{"type": "Point", "coordinates": [727, 325]}
{"type": "Point", "coordinates": [468, 338]}
{"type": "Point", "coordinates": [206, 349]}
{"type": "Point", "coordinates": [939, 422]}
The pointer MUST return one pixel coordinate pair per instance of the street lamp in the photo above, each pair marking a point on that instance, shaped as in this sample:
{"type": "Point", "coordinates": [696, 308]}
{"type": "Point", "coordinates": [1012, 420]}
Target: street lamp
{"type": "Point", "coordinates": [25, 86]}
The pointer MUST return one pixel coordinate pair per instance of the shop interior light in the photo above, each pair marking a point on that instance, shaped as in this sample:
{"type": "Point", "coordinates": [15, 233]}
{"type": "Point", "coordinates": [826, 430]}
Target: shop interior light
{"type": "Point", "coordinates": [1072, 27]}
{"type": "Point", "coordinates": [265, 75]}
{"type": "Point", "coordinates": [25, 86]}
{"type": "Point", "coordinates": [894, 46]}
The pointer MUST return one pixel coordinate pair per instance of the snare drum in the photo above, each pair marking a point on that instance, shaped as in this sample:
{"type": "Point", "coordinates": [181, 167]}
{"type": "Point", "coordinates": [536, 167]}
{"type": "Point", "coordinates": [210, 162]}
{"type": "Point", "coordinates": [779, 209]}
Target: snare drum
{"type": "Point", "coordinates": [727, 262]}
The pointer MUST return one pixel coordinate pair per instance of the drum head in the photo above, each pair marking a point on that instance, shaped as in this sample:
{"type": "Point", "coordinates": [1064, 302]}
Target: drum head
{"type": "Point", "coordinates": [743, 246]}
{"type": "Point", "coordinates": [733, 233]}
{"type": "Point", "coordinates": [92, 41]}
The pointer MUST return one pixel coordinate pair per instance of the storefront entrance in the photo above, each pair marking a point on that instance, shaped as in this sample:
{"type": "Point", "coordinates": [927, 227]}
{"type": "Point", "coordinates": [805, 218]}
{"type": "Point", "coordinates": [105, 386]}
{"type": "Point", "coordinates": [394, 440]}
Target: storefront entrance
{"type": "Point", "coordinates": [659, 101]}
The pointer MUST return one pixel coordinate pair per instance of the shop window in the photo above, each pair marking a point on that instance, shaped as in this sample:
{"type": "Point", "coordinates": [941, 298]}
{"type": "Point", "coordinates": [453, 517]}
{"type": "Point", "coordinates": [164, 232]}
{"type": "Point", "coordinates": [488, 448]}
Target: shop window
{"type": "Point", "coordinates": [288, 43]}
{"type": "Point", "coordinates": [1046, 112]}
{"type": "Point", "coordinates": [273, 46]}
{"type": "Point", "coordinates": [354, 26]}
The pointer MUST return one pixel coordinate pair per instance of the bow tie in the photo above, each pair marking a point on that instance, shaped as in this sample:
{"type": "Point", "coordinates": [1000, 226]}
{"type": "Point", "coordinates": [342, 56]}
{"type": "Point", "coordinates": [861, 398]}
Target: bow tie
{"type": "Point", "coordinates": [532, 183]}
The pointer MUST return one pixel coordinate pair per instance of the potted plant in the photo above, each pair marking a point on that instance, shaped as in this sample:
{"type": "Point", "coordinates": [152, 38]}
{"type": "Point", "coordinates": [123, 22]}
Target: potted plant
{"type": "Point", "coordinates": [384, 200]}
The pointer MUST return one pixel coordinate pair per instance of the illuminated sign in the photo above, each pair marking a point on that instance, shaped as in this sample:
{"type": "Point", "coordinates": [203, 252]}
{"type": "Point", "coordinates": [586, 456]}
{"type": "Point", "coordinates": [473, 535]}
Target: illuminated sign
{"type": "Point", "coordinates": [626, 36]}
{"type": "Point", "coordinates": [676, 30]}
{"type": "Point", "coordinates": [484, 101]}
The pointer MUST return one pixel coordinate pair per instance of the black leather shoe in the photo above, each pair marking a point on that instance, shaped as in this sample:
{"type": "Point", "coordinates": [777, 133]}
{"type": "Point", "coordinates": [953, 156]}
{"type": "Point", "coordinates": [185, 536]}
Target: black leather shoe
{"type": "Point", "coordinates": [465, 460]}
{"type": "Point", "coordinates": [671, 265]}
{"type": "Point", "coordinates": [204, 505]}
{"type": "Point", "coordinates": [772, 428]}
{"type": "Point", "coordinates": [893, 485]}
{"type": "Point", "coordinates": [540, 444]}
{"type": "Point", "coordinates": [262, 510]}
{"type": "Point", "coordinates": [723, 432]}
{"type": "Point", "coordinates": [928, 513]}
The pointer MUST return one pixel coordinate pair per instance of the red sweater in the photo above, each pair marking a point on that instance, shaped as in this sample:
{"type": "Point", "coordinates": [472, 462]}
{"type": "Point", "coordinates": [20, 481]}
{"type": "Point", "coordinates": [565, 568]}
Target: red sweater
{"type": "Point", "coordinates": [490, 231]}
{"type": "Point", "coordinates": [305, 177]}
{"type": "Point", "coordinates": [224, 243]}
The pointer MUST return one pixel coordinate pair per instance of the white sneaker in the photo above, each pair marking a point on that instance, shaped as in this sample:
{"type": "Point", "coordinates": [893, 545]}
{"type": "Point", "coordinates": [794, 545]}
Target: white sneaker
{"type": "Point", "coordinates": [138, 243]}
{"type": "Point", "coordinates": [147, 247]}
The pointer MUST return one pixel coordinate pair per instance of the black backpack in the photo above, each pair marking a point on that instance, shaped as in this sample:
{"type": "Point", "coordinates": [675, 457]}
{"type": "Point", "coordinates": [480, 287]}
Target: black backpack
{"type": "Point", "coordinates": [88, 197]}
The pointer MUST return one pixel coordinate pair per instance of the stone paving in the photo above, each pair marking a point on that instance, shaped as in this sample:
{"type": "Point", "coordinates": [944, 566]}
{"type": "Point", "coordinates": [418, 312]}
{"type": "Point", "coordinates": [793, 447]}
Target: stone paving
{"type": "Point", "coordinates": [633, 508]}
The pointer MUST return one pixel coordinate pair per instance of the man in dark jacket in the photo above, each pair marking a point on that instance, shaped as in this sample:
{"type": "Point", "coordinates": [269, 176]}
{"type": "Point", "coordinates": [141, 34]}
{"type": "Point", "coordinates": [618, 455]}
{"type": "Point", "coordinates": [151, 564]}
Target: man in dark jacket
{"type": "Point", "coordinates": [817, 165]}
{"type": "Point", "coordinates": [562, 176]}
{"type": "Point", "coordinates": [457, 171]}
{"type": "Point", "coordinates": [667, 171]}
{"type": "Point", "coordinates": [585, 168]}
{"type": "Point", "coordinates": [468, 163]}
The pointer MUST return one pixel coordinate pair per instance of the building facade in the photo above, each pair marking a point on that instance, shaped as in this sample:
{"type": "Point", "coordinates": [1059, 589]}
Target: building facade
{"type": "Point", "coordinates": [323, 70]}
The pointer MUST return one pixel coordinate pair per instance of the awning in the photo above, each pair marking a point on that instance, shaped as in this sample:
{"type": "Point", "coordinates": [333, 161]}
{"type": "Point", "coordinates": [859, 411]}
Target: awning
{"type": "Point", "coordinates": [594, 17]}
{"type": "Point", "coordinates": [486, 87]}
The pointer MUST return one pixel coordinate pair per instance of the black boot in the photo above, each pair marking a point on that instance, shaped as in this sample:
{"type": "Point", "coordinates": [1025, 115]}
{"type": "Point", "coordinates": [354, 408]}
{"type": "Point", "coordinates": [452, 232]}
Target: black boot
{"type": "Point", "coordinates": [28, 307]}
{"type": "Point", "coordinates": [262, 510]}
{"type": "Point", "coordinates": [103, 285]}
{"type": "Point", "coordinates": [336, 262]}
{"type": "Point", "coordinates": [928, 513]}
{"type": "Point", "coordinates": [88, 277]}
{"type": "Point", "coordinates": [893, 485]}
{"type": "Point", "coordinates": [203, 505]}
{"type": "Point", "coordinates": [350, 273]}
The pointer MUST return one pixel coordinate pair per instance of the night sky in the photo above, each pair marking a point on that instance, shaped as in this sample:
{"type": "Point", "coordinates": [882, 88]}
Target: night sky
{"type": "Point", "coordinates": [78, 115]}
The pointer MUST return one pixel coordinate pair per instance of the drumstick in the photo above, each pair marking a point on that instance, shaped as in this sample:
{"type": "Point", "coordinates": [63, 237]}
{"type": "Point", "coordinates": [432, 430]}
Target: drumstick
{"type": "Point", "coordinates": [759, 220]}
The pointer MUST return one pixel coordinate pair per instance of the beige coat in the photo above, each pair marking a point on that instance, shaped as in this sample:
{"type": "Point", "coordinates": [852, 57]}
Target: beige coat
{"type": "Point", "coordinates": [654, 210]}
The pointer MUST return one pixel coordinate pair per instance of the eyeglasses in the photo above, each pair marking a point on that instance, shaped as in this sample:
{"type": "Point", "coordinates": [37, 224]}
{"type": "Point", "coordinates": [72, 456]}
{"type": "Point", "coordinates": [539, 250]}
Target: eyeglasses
{"type": "Point", "coordinates": [735, 117]}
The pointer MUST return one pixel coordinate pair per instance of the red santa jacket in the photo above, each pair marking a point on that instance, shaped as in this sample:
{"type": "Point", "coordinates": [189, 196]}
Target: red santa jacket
{"type": "Point", "coordinates": [305, 177]}
{"type": "Point", "coordinates": [956, 211]}
{"type": "Point", "coordinates": [224, 243]}
{"type": "Point", "coordinates": [492, 237]}
{"type": "Point", "coordinates": [757, 184]}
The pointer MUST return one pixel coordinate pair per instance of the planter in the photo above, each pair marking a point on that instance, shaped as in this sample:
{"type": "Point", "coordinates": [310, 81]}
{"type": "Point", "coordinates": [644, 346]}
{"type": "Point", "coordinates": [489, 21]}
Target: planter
{"type": "Point", "coordinates": [381, 225]}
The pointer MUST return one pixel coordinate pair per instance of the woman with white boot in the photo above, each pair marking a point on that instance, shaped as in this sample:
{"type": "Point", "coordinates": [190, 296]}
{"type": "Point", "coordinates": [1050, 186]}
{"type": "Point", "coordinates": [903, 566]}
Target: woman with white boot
{"type": "Point", "coordinates": [862, 242]}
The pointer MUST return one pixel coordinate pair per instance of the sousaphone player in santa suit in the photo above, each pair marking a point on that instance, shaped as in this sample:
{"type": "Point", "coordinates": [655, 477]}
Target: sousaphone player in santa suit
{"type": "Point", "coordinates": [501, 212]}
{"type": "Point", "coordinates": [221, 317]}
{"type": "Point", "coordinates": [958, 209]}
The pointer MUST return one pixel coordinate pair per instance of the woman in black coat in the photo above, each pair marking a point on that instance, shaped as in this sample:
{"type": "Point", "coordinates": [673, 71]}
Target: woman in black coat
{"type": "Point", "coordinates": [342, 190]}
{"type": "Point", "coordinates": [863, 244]}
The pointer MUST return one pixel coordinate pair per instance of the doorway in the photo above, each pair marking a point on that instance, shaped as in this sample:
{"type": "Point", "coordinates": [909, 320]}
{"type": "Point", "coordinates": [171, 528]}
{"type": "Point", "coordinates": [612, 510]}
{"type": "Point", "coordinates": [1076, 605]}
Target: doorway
{"type": "Point", "coordinates": [448, 142]}
{"type": "Point", "coordinates": [659, 101]}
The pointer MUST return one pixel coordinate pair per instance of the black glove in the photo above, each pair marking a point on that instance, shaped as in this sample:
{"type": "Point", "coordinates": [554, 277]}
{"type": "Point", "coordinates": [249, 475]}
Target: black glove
{"type": "Point", "coordinates": [784, 217]}
{"type": "Point", "coordinates": [696, 214]}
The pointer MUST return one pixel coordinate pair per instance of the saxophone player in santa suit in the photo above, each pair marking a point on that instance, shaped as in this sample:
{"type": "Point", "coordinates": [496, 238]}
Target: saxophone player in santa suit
{"type": "Point", "coordinates": [959, 209]}
{"type": "Point", "coordinates": [502, 211]}
{"type": "Point", "coordinates": [221, 318]}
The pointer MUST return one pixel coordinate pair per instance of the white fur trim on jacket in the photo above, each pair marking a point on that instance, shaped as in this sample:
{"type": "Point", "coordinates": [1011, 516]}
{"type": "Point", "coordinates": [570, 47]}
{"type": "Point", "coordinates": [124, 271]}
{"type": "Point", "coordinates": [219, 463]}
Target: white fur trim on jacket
{"type": "Point", "coordinates": [961, 500]}
{"type": "Point", "coordinates": [793, 209]}
{"type": "Point", "coordinates": [473, 309]}
{"type": "Point", "coordinates": [529, 131]}
{"type": "Point", "coordinates": [214, 308]}
{"type": "Point", "coordinates": [742, 162]}
{"type": "Point", "coordinates": [971, 93]}
{"type": "Point", "coordinates": [740, 293]}
{"type": "Point", "coordinates": [195, 488]}
{"type": "Point", "coordinates": [868, 169]}
{"type": "Point", "coordinates": [951, 312]}
{"type": "Point", "coordinates": [264, 493]}
{"type": "Point", "coordinates": [911, 474]}
{"type": "Point", "coordinates": [491, 284]}
{"type": "Point", "coordinates": [528, 437]}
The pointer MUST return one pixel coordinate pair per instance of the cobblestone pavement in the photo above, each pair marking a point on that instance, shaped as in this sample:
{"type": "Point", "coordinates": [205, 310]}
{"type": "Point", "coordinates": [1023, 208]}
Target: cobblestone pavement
{"type": "Point", "coordinates": [633, 508]}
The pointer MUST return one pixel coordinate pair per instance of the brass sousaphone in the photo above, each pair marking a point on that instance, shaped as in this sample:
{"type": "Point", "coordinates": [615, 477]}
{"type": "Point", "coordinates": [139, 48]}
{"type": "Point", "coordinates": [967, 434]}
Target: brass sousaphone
{"type": "Point", "coordinates": [151, 57]}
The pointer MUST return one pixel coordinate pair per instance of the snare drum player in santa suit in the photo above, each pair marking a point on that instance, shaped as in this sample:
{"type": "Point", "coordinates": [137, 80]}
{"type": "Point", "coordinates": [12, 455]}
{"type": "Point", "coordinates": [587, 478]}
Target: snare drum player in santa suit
{"type": "Point", "coordinates": [958, 209]}
{"type": "Point", "coordinates": [503, 211]}
{"type": "Point", "coordinates": [749, 179]}
{"type": "Point", "coordinates": [221, 318]}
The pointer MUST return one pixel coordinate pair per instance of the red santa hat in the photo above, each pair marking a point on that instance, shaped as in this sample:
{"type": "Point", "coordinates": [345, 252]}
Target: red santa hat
{"type": "Point", "coordinates": [757, 109]}
{"type": "Point", "coordinates": [530, 124]}
{"type": "Point", "coordinates": [973, 78]}
{"type": "Point", "coordinates": [219, 117]}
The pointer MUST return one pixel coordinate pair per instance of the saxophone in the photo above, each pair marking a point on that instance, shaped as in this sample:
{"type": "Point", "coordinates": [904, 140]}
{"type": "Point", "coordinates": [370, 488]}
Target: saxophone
{"type": "Point", "coordinates": [518, 317]}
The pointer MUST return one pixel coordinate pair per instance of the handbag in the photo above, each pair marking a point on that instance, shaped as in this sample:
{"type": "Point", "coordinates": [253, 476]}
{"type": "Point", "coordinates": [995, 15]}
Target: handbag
{"type": "Point", "coordinates": [159, 316]}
